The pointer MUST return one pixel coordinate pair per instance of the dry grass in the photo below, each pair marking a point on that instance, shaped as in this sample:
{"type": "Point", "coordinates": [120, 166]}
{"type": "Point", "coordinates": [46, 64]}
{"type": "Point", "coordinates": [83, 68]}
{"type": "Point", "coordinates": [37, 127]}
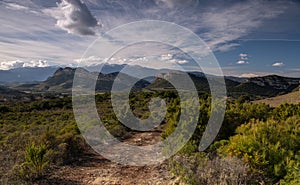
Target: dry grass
{"type": "Point", "coordinates": [293, 98]}
{"type": "Point", "coordinates": [197, 170]}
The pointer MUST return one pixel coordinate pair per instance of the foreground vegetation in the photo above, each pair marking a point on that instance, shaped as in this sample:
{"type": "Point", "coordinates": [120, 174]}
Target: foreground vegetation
{"type": "Point", "coordinates": [256, 144]}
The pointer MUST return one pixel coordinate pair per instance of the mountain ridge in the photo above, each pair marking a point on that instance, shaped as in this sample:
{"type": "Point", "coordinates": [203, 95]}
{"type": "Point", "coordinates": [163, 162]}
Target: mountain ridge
{"type": "Point", "coordinates": [256, 87]}
{"type": "Point", "coordinates": [62, 81]}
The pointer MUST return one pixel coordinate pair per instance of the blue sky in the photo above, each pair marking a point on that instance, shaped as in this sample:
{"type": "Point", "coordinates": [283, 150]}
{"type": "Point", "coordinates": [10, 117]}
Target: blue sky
{"type": "Point", "coordinates": [248, 38]}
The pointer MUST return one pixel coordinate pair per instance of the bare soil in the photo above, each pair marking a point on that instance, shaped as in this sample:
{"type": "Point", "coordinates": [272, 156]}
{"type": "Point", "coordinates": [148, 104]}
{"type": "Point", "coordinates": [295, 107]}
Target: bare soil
{"type": "Point", "coordinates": [93, 169]}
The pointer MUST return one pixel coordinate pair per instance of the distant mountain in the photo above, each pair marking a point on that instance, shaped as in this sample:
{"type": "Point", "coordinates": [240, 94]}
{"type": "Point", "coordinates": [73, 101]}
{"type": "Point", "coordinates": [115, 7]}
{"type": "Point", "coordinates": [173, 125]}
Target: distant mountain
{"type": "Point", "coordinates": [62, 81]}
{"type": "Point", "coordinates": [132, 70]}
{"type": "Point", "coordinates": [106, 68]}
{"type": "Point", "coordinates": [39, 74]}
{"type": "Point", "coordinates": [256, 88]}
{"type": "Point", "coordinates": [26, 74]}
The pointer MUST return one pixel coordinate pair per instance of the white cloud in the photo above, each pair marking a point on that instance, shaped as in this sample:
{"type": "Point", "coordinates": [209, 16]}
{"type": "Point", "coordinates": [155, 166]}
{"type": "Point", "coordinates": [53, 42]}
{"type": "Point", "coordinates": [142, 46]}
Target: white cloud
{"type": "Point", "coordinates": [74, 17]}
{"type": "Point", "coordinates": [11, 64]}
{"type": "Point", "coordinates": [19, 64]}
{"type": "Point", "coordinates": [278, 64]}
{"type": "Point", "coordinates": [244, 56]}
{"type": "Point", "coordinates": [39, 63]}
{"type": "Point", "coordinates": [240, 62]}
{"type": "Point", "coordinates": [182, 61]}
{"type": "Point", "coordinates": [243, 59]}
{"type": "Point", "coordinates": [170, 58]}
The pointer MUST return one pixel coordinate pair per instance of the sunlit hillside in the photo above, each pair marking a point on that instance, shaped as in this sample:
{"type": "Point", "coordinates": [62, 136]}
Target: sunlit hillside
{"type": "Point", "coordinates": [293, 97]}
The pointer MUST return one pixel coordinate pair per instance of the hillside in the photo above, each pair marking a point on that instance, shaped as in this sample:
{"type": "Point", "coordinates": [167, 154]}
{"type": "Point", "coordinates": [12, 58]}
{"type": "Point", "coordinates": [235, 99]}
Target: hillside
{"type": "Point", "coordinates": [276, 82]}
{"type": "Point", "coordinates": [7, 94]}
{"type": "Point", "coordinates": [293, 97]}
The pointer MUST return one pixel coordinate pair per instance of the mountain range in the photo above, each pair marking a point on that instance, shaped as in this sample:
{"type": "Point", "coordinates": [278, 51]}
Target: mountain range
{"type": "Point", "coordinates": [39, 74]}
{"type": "Point", "coordinates": [26, 74]}
{"type": "Point", "coordinates": [61, 81]}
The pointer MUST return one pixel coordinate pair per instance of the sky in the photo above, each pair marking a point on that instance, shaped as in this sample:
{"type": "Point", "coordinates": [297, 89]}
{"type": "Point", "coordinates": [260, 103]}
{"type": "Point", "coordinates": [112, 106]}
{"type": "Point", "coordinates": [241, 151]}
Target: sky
{"type": "Point", "coordinates": [248, 38]}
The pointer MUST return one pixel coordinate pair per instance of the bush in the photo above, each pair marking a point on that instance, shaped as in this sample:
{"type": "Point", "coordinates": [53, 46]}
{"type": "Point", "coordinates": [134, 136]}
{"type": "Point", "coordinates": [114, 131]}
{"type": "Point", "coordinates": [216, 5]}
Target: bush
{"type": "Point", "coordinates": [35, 162]}
{"type": "Point", "coordinates": [285, 111]}
{"type": "Point", "coordinates": [241, 113]}
{"type": "Point", "coordinates": [200, 169]}
{"type": "Point", "coordinates": [4, 109]}
{"type": "Point", "coordinates": [270, 148]}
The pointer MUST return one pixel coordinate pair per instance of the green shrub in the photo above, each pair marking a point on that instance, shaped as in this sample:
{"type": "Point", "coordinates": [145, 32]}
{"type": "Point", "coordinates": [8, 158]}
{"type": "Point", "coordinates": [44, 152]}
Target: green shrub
{"type": "Point", "coordinates": [293, 173]}
{"type": "Point", "coordinates": [70, 145]}
{"type": "Point", "coordinates": [35, 162]}
{"type": "Point", "coordinates": [4, 109]}
{"type": "Point", "coordinates": [285, 111]}
{"type": "Point", "coordinates": [240, 113]}
{"type": "Point", "coordinates": [269, 147]}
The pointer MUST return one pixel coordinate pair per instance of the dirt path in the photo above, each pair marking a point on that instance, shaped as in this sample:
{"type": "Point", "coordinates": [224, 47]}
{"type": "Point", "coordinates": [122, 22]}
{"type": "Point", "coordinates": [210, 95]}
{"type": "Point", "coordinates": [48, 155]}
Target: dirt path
{"type": "Point", "coordinates": [95, 170]}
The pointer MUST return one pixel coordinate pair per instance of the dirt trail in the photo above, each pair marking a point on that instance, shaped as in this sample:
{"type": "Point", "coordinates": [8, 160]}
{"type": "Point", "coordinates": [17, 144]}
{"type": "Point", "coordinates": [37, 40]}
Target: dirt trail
{"type": "Point", "coordinates": [95, 170]}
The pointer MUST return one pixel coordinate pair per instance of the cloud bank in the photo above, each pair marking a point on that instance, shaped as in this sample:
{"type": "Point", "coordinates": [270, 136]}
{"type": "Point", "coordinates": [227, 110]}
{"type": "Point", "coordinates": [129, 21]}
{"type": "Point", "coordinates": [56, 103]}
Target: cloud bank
{"type": "Point", "coordinates": [18, 64]}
